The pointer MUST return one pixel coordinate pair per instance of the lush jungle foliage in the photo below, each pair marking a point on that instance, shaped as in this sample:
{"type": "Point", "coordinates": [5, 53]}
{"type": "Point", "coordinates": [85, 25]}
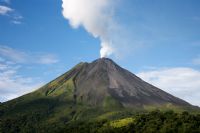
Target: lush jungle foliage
{"type": "Point", "coordinates": [152, 122]}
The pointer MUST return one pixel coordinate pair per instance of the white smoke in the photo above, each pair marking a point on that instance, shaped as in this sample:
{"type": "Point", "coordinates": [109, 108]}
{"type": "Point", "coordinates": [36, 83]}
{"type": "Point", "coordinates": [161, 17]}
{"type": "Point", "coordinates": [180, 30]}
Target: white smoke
{"type": "Point", "coordinates": [96, 16]}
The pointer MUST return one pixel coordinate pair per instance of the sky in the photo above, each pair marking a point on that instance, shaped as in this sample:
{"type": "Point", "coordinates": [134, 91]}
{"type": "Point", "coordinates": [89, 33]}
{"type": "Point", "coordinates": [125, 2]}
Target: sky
{"type": "Point", "coordinates": [158, 40]}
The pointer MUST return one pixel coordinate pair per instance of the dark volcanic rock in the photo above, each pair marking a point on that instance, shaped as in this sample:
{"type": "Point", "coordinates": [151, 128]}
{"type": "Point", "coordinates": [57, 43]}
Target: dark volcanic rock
{"type": "Point", "coordinates": [103, 78]}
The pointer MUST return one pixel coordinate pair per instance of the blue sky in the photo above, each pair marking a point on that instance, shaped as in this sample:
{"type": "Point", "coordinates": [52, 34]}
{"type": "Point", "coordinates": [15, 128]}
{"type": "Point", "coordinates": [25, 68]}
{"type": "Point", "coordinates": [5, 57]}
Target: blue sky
{"type": "Point", "coordinates": [161, 44]}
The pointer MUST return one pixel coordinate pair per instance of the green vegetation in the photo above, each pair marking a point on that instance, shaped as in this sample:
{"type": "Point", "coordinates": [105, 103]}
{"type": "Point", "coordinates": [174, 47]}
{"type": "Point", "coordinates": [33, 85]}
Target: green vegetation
{"type": "Point", "coordinates": [111, 102]}
{"type": "Point", "coordinates": [93, 120]}
{"type": "Point", "coordinates": [152, 122]}
{"type": "Point", "coordinates": [121, 122]}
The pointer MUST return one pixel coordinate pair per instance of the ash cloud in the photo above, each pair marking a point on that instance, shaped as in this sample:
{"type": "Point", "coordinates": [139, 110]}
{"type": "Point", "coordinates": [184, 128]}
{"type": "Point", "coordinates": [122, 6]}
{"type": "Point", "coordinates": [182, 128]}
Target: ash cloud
{"type": "Point", "coordinates": [97, 18]}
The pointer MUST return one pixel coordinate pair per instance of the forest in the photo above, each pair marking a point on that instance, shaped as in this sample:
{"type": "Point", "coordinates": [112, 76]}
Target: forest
{"type": "Point", "coordinates": [149, 122]}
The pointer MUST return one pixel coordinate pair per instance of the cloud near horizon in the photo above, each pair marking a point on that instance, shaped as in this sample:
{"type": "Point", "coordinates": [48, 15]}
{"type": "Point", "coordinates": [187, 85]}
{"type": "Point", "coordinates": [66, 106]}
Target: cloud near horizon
{"type": "Point", "coordinates": [13, 84]}
{"type": "Point", "coordinates": [182, 82]}
{"type": "Point", "coordinates": [20, 56]}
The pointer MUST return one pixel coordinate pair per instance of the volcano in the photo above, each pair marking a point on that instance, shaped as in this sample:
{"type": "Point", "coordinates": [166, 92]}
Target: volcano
{"type": "Point", "coordinates": [102, 80]}
{"type": "Point", "coordinates": [96, 90]}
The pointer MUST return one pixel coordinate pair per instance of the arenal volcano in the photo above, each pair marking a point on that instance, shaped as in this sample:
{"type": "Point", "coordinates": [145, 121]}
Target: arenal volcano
{"type": "Point", "coordinates": [89, 91]}
{"type": "Point", "coordinates": [102, 80]}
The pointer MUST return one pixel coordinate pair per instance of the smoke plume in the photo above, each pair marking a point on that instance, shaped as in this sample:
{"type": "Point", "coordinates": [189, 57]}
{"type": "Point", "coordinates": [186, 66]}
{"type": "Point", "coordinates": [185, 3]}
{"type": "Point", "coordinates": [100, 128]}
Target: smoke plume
{"type": "Point", "coordinates": [96, 16]}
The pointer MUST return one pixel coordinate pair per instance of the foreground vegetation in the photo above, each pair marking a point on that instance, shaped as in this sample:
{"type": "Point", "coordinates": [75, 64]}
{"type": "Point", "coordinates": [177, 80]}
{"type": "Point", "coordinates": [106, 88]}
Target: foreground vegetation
{"type": "Point", "coordinates": [152, 122]}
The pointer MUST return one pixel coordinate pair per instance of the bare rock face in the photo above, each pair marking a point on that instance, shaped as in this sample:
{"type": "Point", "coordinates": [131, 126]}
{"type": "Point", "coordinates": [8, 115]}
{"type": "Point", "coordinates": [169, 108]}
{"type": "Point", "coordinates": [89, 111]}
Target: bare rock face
{"type": "Point", "coordinates": [104, 81]}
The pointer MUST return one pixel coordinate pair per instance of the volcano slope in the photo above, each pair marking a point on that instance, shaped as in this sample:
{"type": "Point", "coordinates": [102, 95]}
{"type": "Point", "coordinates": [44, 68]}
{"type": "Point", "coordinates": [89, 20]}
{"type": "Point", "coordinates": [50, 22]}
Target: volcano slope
{"type": "Point", "coordinates": [96, 91]}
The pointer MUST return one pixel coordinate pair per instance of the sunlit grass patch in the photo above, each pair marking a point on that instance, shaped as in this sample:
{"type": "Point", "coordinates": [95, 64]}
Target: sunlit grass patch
{"type": "Point", "coordinates": [121, 122]}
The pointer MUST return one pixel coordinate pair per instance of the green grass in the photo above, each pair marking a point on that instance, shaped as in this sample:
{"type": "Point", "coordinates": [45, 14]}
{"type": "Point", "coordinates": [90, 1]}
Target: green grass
{"type": "Point", "coordinates": [67, 88]}
{"type": "Point", "coordinates": [121, 122]}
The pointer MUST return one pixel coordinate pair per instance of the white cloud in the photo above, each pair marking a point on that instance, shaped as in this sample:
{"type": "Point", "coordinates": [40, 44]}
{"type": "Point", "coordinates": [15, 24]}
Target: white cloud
{"type": "Point", "coordinates": [20, 56]}
{"type": "Point", "coordinates": [99, 18]}
{"type": "Point", "coordinates": [3, 66]}
{"type": "Point", "coordinates": [181, 82]}
{"type": "Point", "coordinates": [12, 84]}
{"type": "Point", "coordinates": [12, 54]}
{"type": "Point", "coordinates": [96, 16]}
{"type": "Point", "coordinates": [4, 10]}
{"type": "Point", "coordinates": [15, 17]}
